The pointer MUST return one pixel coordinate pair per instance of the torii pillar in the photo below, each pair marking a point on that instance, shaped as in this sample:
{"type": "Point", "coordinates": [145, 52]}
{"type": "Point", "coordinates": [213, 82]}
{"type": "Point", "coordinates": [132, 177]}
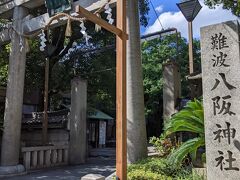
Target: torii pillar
{"type": "Point", "coordinates": [14, 99]}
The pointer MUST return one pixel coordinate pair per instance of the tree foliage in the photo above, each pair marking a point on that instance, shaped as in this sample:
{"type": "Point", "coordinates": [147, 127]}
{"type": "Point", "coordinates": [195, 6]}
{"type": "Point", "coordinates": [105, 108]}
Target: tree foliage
{"type": "Point", "coordinates": [95, 63]}
{"type": "Point", "coordinates": [4, 55]}
{"type": "Point", "coordinates": [233, 5]}
{"type": "Point", "coordinates": [35, 62]}
{"type": "Point", "coordinates": [97, 67]}
{"type": "Point", "coordinates": [154, 54]}
{"type": "Point", "coordinates": [143, 10]}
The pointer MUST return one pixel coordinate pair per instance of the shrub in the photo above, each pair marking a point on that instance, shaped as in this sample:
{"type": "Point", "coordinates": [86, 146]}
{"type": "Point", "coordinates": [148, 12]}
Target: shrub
{"type": "Point", "coordinates": [190, 119]}
{"type": "Point", "coordinates": [159, 169]}
{"type": "Point", "coordinates": [163, 145]}
{"type": "Point", "coordinates": [140, 174]}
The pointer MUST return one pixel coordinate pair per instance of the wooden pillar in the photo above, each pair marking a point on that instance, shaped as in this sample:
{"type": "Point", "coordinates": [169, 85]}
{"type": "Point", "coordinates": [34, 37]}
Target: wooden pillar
{"type": "Point", "coordinates": [45, 118]}
{"type": "Point", "coordinates": [121, 127]}
{"type": "Point", "coordinates": [78, 122]}
{"type": "Point", "coordinates": [14, 96]}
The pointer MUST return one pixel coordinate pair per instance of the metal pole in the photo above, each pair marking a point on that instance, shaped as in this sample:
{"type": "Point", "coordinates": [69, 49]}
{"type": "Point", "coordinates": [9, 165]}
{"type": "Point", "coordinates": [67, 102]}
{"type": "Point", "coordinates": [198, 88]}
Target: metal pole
{"type": "Point", "coordinates": [190, 47]}
{"type": "Point", "coordinates": [45, 118]}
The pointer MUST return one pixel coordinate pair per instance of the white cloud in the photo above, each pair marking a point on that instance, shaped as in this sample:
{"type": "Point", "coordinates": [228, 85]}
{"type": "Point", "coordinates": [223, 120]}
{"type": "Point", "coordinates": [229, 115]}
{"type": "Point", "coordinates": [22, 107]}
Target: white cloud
{"type": "Point", "coordinates": [205, 17]}
{"type": "Point", "coordinates": [159, 9]}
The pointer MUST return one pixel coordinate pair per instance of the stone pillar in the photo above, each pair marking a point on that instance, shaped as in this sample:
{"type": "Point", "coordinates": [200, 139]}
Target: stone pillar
{"type": "Point", "coordinates": [14, 97]}
{"type": "Point", "coordinates": [78, 122]}
{"type": "Point", "coordinates": [221, 99]}
{"type": "Point", "coordinates": [136, 124]}
{"type": "Point", "coordinates": [171, 89]}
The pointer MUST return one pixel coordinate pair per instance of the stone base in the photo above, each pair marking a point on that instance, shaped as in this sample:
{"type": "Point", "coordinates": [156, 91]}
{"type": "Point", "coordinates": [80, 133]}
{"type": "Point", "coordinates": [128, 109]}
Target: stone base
{"type": "Point", "coordinates": [112, 176]}
{"type": "Point", "coordinates": [93, 177]}
{"type": "Point", "coordinates": [6, 171]}
{"type": "Point", "coordinates": [202, 172]}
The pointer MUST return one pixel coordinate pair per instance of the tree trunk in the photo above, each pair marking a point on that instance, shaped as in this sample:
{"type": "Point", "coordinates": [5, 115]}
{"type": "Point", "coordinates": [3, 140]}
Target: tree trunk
{"type": "Point", "coordinates": [136, 126]}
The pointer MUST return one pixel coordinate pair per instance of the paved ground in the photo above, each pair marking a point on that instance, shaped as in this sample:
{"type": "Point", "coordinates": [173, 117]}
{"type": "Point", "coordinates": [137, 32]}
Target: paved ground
{"type": "Point", "coordinates": [104, 152]}
{"type": "Point", "coordinates": [102, 161]}
{"type": "Point", "coordinates": [99, 165]}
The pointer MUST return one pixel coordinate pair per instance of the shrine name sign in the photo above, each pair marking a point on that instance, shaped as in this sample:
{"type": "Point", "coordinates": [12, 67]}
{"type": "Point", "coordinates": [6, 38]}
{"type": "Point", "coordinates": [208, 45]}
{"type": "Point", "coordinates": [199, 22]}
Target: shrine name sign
{"type": "Point", "coordinates": [221, 99]}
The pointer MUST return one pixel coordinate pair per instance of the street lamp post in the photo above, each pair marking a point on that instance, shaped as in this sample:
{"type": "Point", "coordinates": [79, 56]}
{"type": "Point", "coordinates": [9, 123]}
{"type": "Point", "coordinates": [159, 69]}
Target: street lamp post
{"type": "Point", "coordinates": [190, 9]}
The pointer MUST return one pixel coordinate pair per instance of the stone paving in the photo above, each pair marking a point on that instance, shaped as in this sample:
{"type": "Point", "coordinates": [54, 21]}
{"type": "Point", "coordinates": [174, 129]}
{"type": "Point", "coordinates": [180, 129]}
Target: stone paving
{"type": "Point", "coordinates": [102, 163]}
{"type": "Point", "coordinates": [99, 165]}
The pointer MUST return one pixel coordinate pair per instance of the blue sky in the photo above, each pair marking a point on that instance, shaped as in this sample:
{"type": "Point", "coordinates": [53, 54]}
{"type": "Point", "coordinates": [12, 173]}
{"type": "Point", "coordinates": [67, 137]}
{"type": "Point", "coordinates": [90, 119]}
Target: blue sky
{"type": "Point", "coordinates": [170, 16]}
{"type": "Point", "coordinates": [167, 5]}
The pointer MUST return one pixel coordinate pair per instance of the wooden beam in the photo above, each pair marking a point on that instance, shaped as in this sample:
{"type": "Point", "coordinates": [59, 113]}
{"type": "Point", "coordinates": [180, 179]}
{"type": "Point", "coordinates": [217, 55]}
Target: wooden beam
{"type": "Point", "coordinates": [39, 22]}
{"type": "Point", "coordinates": [121, 124]}
{"type": "Point", "coordinates": [95, 19]}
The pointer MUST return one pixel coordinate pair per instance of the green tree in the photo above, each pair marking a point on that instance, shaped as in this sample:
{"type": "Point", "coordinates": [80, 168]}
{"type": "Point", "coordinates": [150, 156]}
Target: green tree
{"type": "Point", "coordinates": [3, 75]}
{"type": "Point", "coordinates": [96, 64]}
{"type": "Point", "coordinates": [34, 74]}
{"type": "Point", "coordinates": [4, 55]}
{"type": "Point", "coordinates": [143, 11]}
{"type": "Point", "coordinates": [154, 53]}
{"type": "Point", "coordinates": [233, 5]}
{"type": "Point", "coordinates": [62, 72]}
{"type": "Point", "coordinates": [98, 68]}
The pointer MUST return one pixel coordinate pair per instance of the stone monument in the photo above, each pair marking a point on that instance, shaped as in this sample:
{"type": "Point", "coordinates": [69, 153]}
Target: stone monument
{"type": "Point", "coordinates": [78, 122]}
{"type": "Point", "coordinates": [221, 96]}
{"type": "Point", "coordinates": [171, 89]}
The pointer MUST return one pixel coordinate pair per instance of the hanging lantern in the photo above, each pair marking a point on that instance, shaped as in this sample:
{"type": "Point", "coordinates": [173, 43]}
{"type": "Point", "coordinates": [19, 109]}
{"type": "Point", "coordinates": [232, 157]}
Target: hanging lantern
{"type": "Point", "coordinates": [56, 6]}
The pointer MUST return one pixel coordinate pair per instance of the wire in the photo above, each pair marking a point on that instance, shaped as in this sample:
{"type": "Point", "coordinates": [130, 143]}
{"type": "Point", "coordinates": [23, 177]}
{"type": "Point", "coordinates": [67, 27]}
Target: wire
{"type": "Point", "coordinates": [156, 14]}
{"type": "Point", "coordinates": [104, 70]}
